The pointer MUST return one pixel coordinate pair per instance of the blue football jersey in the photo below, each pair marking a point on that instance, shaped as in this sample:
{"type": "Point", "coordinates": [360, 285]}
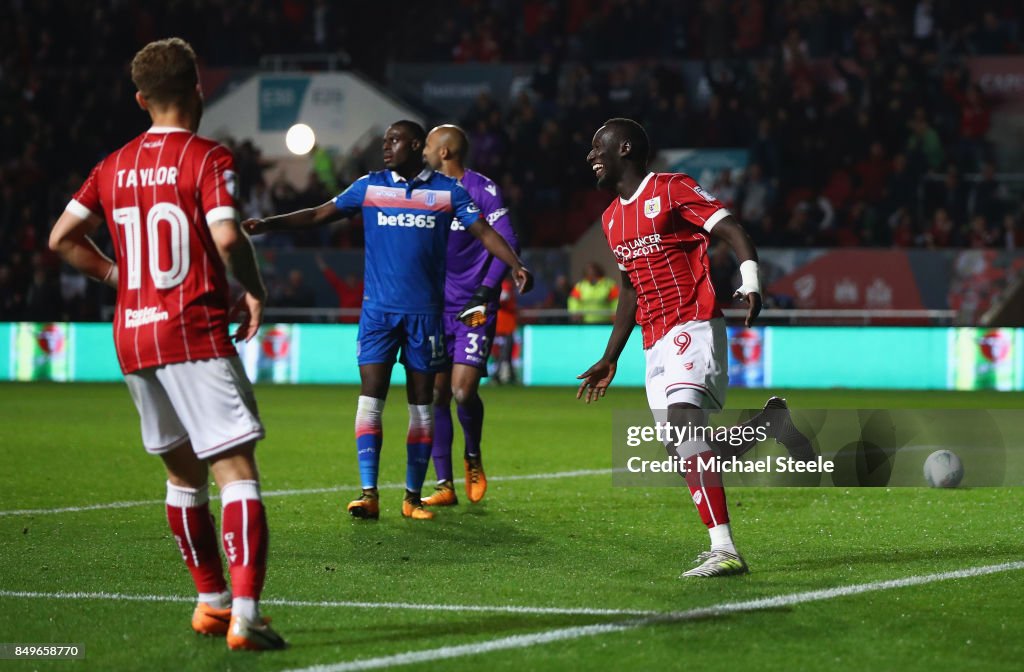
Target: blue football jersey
{"type": "Point", "coordinates": [406, 227]}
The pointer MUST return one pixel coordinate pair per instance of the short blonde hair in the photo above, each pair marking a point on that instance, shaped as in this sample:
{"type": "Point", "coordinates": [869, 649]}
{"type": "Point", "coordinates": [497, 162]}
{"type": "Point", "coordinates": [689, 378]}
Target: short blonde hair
{"type": "Point", "coordinates": [165, 71]}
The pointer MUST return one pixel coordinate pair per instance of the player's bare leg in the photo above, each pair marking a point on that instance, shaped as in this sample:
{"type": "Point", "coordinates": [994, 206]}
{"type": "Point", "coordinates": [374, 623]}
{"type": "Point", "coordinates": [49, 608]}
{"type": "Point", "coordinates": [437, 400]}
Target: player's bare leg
{"type": "Point", "coordinates": [444, 491]}
{"type": "Point", "coordinates": [708, 495]}
{"type": "Point", "coordinates": [193, 528]}
{"type": "Point", "coordinates": [419, 443]}
{"type": "Point", "coordinates": [245, 536]}
{"type": "Point", "coordinates": [466, 391]}
{"type": "Point", "coordinates": [375, 379]}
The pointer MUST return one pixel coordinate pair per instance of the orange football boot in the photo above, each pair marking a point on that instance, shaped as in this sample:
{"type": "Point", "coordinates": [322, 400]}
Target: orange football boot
{"type": "Point", "coordinates": [476, 479]}
{"type": "Point", "coordinates": [366, 507]}
{"type": "Point", "coordinates": [412, 507]}
{"type": "Point", "coordinates": [444, 495]}
{"type": "Point", "coordinates": [207, 620]}
{"type": "Point", "coordinates": [245, 635]}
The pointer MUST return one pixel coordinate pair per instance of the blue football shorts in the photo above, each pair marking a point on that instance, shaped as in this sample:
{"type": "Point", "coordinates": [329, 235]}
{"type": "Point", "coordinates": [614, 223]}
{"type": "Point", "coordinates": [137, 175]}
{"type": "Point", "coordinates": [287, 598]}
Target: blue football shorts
{"type": "Point", "coordinates": [420, 337]}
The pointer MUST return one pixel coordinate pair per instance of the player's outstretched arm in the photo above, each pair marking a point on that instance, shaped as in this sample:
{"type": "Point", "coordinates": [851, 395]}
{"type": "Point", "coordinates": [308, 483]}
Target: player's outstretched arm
{"type": "Point", "coordinates": [733, 233]}
{"type": "Point", "coordinates": [598, 377]}
{"type": "Point", "coordinates": [235, 249]}
{"type": "Point", "coordinates": [300, 219]}
{"type": "Point", "coordinates": [500, 248]}
{"type": "Point", "coordinates": [70, 239]}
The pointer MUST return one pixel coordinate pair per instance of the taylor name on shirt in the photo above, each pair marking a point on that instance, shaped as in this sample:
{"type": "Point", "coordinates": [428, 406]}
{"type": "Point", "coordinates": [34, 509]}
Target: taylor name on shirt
{"type": "Point", "coordinates": [147, 177]}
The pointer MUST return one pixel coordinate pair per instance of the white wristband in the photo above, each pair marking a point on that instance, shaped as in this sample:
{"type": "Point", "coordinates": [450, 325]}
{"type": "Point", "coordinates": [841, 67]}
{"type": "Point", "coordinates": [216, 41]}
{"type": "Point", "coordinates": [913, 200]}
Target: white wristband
{"type": "Point", "coordinates": [748, 276]}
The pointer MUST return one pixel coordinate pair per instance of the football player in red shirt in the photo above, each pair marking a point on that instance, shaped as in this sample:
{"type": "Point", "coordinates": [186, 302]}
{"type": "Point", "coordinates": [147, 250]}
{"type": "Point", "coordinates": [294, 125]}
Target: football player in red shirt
{"type": "Point", "coordinates": [168, 199]}
{"type": "Point", "coordinates": [659, 228]}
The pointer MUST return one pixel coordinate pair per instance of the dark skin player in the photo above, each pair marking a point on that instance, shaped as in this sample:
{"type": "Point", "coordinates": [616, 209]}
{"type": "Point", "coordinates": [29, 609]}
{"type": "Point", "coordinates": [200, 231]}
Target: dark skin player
{"type": "Point", "coordinates": [620, 169]}
{"type": "Point", "coordinates": [403, 153]}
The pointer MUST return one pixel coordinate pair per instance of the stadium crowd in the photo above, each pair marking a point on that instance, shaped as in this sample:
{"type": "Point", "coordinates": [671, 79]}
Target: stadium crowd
{"type": "Point", "coordinates": [860, 120]}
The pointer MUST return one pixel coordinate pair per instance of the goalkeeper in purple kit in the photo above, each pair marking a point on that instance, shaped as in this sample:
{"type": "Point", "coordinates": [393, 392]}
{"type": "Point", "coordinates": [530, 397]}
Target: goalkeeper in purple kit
{"type": "Point", "coordinates": [472, 289]}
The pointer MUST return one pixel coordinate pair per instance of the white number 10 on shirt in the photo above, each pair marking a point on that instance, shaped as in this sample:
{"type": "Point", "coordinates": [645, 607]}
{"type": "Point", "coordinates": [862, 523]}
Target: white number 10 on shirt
{"type": "Point", "coordinates": [177, 223]}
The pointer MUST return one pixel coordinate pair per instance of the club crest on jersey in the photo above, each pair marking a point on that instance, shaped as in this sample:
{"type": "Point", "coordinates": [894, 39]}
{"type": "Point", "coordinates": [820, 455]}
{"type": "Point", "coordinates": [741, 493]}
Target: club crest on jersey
{"type": "Point", "coordinates": [431, 198]}
{"type": "Point", "coordinates": [652, 207]}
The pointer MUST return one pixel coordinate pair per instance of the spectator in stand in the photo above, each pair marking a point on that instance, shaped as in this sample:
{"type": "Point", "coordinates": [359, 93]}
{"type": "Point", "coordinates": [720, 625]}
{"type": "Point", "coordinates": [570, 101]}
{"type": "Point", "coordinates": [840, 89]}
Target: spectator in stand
{"type": "Point", "coordinates": [943, 231]}
{"type": "Point", "coordinates": [924, 148]}
{"type": "Point", "coordinates": [975, 121]}
{"type": "Point", "coordinates": [900, 187]}
{"type": "Point", "coordinates": [903, 231]}
{"type": "Point", "coordinates": [12, 299]}
{"type": "Point", "coordinates": [560, 293]}
{"type": "Point", "coordinates": [765, 151]}
{"type": "Point", "coordinates": [724, 188]}
{"type": "Point", "coordinates": [873, 173]}
{"type": "Point", "coordinates": [594, 298]}
{"type": "Point", "coordinates": [295, 293]}
{"type": "Point", "coordinates": [755, 196]}
{"type": "Point", "coordinates": [951, 194]}
{"type": "Point", "coordinates": [988, 197]}
{"type": "Point", "coordinates": [991, 37]}
{"type": "Point", "coordinates": [980, 235]}
{"type": "Point", "coordinates": [349, 291]}
{"type": "Point", "coordinates": [323, 168]}
{"type": "Point", "coordinates": [832, 79]}
{"type": "Point", "coordinates": [1008, 238]}
{"type": "Point", "coordinates": [749, 21]}
{"type": "Point", "coordinates": [43, 301]}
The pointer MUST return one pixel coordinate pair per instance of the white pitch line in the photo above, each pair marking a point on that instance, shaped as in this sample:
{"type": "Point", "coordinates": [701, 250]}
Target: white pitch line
{"type": "Point", "coordinates": [498, 609]}
{"type": "Point", "coordinates": [564, 634]}
{"type": "Point", "coordinates": [305, 491]}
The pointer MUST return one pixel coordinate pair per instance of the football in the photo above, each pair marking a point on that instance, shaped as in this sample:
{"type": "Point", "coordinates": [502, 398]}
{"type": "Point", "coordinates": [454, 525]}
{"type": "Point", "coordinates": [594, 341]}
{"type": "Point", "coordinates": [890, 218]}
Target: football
{"type": "Point", "coordinates": [943, 469]}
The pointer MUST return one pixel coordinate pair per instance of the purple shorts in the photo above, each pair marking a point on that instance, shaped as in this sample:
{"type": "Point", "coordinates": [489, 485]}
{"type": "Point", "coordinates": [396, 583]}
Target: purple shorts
{"type": "Point", "coordinates": [469, 345]}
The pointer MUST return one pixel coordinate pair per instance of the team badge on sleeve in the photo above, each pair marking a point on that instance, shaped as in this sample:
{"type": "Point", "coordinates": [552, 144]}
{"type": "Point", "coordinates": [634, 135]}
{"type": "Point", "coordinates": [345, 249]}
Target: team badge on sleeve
{"type": "Point", "coordinates": [231, 183]}
{"type": "Point", "coordinates": [652, 207]}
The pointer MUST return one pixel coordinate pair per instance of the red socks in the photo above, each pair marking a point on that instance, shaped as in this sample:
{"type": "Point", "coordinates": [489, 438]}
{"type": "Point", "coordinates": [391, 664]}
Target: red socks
{"type": "Point", "coordinates": [244, 533]}
{"type": "Point", "coordinates": [707, 491]}
{"type": "Point", "coordinates": [188, 513]}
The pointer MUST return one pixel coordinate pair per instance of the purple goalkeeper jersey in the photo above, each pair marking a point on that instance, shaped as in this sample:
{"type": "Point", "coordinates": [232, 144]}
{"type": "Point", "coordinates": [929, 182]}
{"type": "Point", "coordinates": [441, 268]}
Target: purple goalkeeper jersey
{"type": "Point", "coordinates": [469, 263]}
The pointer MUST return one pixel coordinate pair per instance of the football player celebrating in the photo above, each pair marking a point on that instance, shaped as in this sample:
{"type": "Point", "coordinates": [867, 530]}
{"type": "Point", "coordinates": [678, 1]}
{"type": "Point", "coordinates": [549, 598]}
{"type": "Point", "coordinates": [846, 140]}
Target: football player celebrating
{"type": "Point", "coordinates": [659, 228]}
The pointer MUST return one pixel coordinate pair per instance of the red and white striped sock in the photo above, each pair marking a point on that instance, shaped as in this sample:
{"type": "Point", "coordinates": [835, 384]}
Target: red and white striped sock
{"type": "Point", "coordinates": [188, 514]}
{"type": "Point", "coordinates": [245, 536]}
{"type": "Point", "coordinates": [709, 496]}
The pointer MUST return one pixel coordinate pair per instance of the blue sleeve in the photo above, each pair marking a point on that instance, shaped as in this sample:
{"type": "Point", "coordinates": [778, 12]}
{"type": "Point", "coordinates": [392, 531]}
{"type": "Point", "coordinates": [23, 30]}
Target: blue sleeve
{"type": "Point", "coordinates": [350, 201]}
{"type": "Point", "coordinates": [496, 214]}
{"type": "Point", "coordinates": [466, 211]}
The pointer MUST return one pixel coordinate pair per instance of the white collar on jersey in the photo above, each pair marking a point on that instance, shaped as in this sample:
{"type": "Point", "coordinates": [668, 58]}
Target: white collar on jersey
{"type": "Point", "coordinates": [422, 177]}
{"type": "Point", "coordinates": [627, 201]}
{"type": "Point", "coordinates": [167, 129]}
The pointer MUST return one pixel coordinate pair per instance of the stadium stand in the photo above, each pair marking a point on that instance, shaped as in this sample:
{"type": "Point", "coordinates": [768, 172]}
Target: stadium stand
{"type": "Point", "coordinates": [861, 121]}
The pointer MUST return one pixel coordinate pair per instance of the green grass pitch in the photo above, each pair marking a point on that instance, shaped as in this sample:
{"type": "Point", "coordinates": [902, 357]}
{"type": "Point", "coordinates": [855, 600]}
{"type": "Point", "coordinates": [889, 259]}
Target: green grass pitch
{"type": "Point", "coordinates": [567, 543]}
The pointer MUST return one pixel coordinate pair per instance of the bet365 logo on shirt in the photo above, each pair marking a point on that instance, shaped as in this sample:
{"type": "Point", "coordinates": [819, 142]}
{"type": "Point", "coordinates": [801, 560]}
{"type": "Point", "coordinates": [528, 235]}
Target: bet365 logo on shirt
{"type": "Point", "coordinates": [407, 219]}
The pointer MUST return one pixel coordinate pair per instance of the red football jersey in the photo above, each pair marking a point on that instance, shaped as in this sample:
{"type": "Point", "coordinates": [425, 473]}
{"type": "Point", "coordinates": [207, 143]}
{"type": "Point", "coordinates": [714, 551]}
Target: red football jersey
{"type": "Point", "coordinates": [158, 194]}
{"type": "Point", "coordinates": [660, 237]}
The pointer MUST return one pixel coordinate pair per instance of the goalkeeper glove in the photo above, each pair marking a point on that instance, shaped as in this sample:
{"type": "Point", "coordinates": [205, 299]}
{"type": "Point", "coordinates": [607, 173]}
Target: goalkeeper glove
{"type": "Point", "coordinates": [474, 313]}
